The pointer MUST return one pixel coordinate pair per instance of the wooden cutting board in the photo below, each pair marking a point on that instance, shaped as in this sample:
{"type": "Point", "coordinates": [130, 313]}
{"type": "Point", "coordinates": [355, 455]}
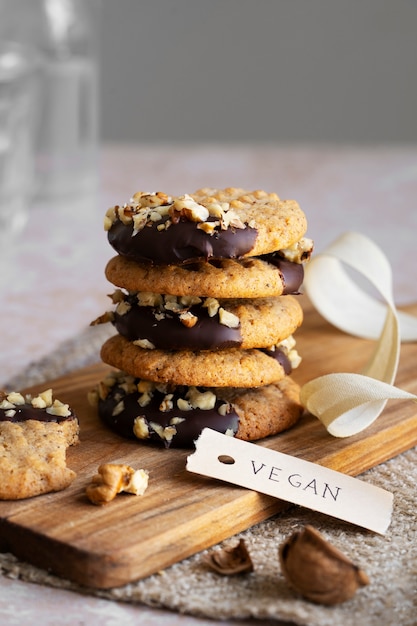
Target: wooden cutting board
{"type": "Point", "coordinates": [182, 513]}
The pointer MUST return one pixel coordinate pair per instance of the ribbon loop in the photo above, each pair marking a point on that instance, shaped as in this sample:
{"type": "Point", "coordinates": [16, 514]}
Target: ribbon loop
{"type": "Point", "coordinates": [347, 403]}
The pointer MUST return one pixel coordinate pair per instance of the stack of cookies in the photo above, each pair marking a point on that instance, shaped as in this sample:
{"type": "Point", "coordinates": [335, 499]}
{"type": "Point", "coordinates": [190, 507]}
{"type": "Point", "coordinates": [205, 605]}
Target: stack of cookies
{"type": "Point", "coordinates": [205, 312]}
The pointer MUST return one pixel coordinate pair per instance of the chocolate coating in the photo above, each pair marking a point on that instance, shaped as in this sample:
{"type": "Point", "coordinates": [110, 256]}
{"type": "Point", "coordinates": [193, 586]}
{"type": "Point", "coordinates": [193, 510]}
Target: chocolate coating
{"type": "Point", "coordinates": [169, 333]}
{"type": "Point", "coordinates": [26, 412]}
{"type": "Point", "coordinates": [282, 359]}
{"type": "Point", "coordinates": [180, 243]}
{"type": "Point", "coordinates": [292, 273]}
{"type": "Point", "coordinates": [187, 431]}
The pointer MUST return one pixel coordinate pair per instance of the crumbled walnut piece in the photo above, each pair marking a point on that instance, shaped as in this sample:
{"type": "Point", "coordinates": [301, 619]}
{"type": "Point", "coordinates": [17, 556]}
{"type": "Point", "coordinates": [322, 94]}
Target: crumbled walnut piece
{"type": "Point", "coordinates": [123, 307]}
{"type": "Point", "coordinates": [167, 404]}
{"type": "Point", "coordinates": [119, 408]}
{"type": "Point", "coordinates": [183, 405]}
{"type": "Point", "coordinates": [59, 409]}
{"type": "Point", "coordinates": [189, 301]}
{"type": "Point", "coordinates": [113, 478]}
{"type": "Point", "coordinates": [148, 298]}
{"type": "Point", "coordinates": [141, 428]}
{"type": "Point", "coordinates": [299, 252]}
{"type": "Point", "coordinates": [188, 319]}
{"type": "Point", "coordinates": [204, 400]}
{"type": "Point", "coordinates": [208, 227]}
{"type": "Point", "coordinates": [176, 420]}
{"type": "Point", "coordinates": [212, 305]}
{"type": "Point", "coordinates": [117, 296]}
{"type": "Point", "coordinates": [186, 206]}
{"type": "Point", "coordinates": [16, 398]}
{"type": "Point", "coordinates": [317, 570]}
{"type": "Point", "coordinates": [10, 413]}
{"type": "Point", "coordinates": [42, 400]}
{"type": "Point", "coordinates": [5, 404]}
{"type": "Point", "coordinates": [106, 318]}
{"type": "Point", "coordinates": [228, 319]}
{"type": "Point", "coordinates": [224, 409]}
{"type": "Point", "coordinates": [230, 560]}
{"type": "Point", "coordinates": [93, 398]}
{"type": "Point", "coordinates": [144, 343]}
{"type": "Point", "coordinates": [166, 433]}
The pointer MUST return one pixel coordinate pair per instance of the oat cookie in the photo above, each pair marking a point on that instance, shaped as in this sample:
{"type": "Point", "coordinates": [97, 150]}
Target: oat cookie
{"type": "Point", "coordinates": [210, 224]}
{"type": "Point", "coordinates": [249, 278]}
{"type": "Point", "coordinates": [154, 320]}
{"type": "Point", "coordinates": [222, 368]}
{"type": "Point", "coordinates": [174, 416]}
{"type": "Point", "coordinates": [34, 436]}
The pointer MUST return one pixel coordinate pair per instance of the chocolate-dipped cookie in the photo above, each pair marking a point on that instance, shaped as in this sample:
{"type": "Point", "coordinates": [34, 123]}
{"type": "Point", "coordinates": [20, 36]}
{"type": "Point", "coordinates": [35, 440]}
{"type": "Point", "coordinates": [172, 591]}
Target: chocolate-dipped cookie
{"type": "Point", "coordinates": [209, 224]}
{"type": "Point", "coordinates": [260, 277]}
{"type": "Point", "coordinates": [34, 435]}
{"type": "Point", "coordinates": [220, 368]}
{"type": "Point", "coordinates": [174, 416]}
{"type": "Point", "coordinates": [190, 323]}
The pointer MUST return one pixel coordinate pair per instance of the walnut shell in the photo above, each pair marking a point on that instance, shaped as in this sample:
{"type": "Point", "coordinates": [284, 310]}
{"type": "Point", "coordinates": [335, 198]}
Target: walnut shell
{"type": "Point", "coordinates": [230, 561]}
{"type": "Point", "coordinates": [317, 570]}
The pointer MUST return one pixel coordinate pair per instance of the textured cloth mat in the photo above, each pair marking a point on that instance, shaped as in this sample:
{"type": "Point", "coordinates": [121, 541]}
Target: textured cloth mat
{"type": "Point", "coordinates": [190, 587]}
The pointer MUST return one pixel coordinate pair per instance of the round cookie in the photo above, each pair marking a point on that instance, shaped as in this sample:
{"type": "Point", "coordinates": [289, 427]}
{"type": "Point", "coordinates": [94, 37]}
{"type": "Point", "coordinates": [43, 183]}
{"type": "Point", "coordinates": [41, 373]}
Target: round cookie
{"type": "Point", "coordinates": [249, 278]}
{"type": "Point", "coordinates": [222, 368]}
{"type": "Point", "coordinates": [172, 323]}
{"type": "Point", "coordinates": [210, 224]}
{"type": "Point", "coordinates": [34, 436]}
{"type": "Point", "coordinates": [176, 415]}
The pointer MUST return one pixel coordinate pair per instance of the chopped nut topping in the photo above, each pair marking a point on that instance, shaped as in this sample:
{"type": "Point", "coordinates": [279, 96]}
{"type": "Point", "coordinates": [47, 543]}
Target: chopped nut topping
{"type": "Point", "coordinates": [183, 405]}
{"type": "Point", "coordinates": [147, 298]}
{"type": "Point", "coordinates": [186, 206]}
{"type": "Point", "coordinates": [59, 409]}
{"type": "Point", "coordinates": [43, 400]}
{"type": "Point", "coordinates": [167, 404]}
{"type": "Point", "coordinates": [16, 398]}
{"type": "Point", "coordinates": [228, 319]}
{"type": "Point", "coordinates": [176, 420]}
{"type": "Point", "coordinates": [5, 404]}
{"type": "Point", "coordinates": [212, 305]}
{"type": "Point", "coordinates": [144, 343]}
{"type": "Point", "coordinates": [113, 478]}
{"type": "Point", "coordinates": [119, 408]}
{"type": "Point", "coordinates": [188, 319]}
{"type": "Point", "coordinates": [201, 400]}
{"type": "Point", "coordinates": [166, 433]}
{"type": "Point", "coordinates": [123, 308]}
{"type": "Point", "coordinates": [299, 252]}
{"type": "Point", "coordinates": [140, 428]}
{"type": "Point", "coordinates": [224, 409]}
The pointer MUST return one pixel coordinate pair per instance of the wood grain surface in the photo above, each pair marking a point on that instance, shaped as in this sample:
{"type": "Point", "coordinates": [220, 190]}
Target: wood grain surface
{"type": "Point", "coordinates": [182, 513]}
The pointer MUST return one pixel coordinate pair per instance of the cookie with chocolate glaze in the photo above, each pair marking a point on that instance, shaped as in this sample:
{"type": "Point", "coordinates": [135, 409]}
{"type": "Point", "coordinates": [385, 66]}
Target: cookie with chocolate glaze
{"type": "Point", "coordinates": [261, 277]}
{"type": "Point", "coordinates": [221, 368]}
{"type": "Point", "coordinates": [174, 416]}
{"type": "Point", "coordinates": [191, 323]}
{"type": "Point", "coordinates": [34, 436]}
{"type": "Point", "coordinates": [210, 224]}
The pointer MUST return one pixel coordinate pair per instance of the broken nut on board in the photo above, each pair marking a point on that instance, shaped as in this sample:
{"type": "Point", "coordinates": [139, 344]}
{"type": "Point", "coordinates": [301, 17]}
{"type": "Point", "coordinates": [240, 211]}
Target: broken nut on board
{"type": "Point", "coordinates": [113, 478]}
{"type": "Point", "coordinates": [317, 570]}
{"type": "Point", "coordinates": [229, 561]}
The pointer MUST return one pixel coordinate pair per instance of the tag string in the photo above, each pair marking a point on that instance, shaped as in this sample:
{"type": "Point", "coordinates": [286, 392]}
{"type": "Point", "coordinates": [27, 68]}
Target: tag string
{"type": "Point", "coordinates": [347, 403]}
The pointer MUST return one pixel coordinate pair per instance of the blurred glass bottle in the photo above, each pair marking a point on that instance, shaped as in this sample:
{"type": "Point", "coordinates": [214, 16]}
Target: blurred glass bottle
{"type": "Point", "coordinates": [65, 35]}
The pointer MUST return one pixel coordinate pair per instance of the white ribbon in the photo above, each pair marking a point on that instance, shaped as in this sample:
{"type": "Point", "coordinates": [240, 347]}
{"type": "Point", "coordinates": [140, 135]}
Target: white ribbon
{"type": "Point", "coordinates": [348, 403]}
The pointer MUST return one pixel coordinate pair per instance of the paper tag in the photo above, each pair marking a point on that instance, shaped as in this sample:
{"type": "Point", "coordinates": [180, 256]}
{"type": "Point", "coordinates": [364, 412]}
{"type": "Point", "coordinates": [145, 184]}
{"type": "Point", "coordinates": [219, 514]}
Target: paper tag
{"type": "Point", "coordinates": [291, 479]}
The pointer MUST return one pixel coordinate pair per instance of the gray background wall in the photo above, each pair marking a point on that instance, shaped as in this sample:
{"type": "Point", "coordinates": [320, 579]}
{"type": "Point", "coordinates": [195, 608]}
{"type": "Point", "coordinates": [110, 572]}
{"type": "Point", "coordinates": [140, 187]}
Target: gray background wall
{"type": "Point", "coordinates": [259, 70]}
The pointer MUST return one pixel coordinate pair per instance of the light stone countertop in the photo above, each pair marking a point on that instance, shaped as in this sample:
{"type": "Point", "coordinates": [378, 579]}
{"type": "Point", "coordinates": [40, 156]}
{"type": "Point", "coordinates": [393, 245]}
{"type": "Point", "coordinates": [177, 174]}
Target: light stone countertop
{"type": "Point", "coordinates": [52, 277]}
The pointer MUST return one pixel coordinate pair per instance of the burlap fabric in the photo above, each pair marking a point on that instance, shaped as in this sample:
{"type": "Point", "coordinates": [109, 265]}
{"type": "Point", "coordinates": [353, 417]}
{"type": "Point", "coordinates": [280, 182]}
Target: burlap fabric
{"type": "Point", "coordinates": [190, 587]}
